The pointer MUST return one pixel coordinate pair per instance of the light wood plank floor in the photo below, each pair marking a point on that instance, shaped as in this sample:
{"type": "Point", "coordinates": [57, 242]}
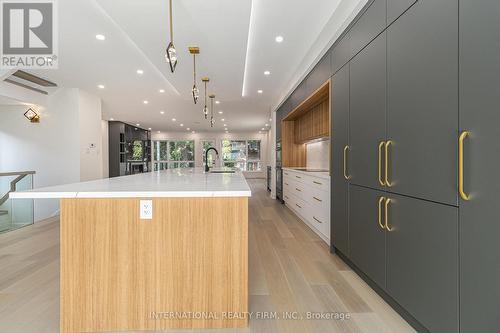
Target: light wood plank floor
{"type": "Point", "coordinates": [290, 269]}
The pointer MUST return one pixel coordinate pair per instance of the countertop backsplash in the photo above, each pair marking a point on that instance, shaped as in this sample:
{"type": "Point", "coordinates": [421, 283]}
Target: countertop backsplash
{"type": "Point", "coordinates": [318, 154]}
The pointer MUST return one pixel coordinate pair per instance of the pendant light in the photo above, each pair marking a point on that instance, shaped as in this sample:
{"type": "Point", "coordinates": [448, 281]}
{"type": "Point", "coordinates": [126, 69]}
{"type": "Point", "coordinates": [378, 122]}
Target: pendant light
{"type": "Point", "coordinates": [194, 50]}
{"type": "Point", "coordinates": [171, 54]}
{"type": "Point", "coordinates": [212, 120]}
{"type": "Point", "coordinates": [205, 108]}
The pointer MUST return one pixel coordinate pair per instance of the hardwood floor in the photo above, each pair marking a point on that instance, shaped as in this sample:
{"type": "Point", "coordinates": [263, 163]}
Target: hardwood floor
{"type": "Point", "coordinates": [291, 270]}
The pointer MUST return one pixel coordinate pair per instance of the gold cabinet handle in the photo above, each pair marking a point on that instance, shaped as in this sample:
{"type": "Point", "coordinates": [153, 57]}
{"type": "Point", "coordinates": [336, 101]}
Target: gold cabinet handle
{"type": "Point", "coordinates": [286, 197]}
{"type": "Point", "coordinates": [380, 146]}
{"type": "Point", "coordinates": [298, 177]}
{"type": "Point", "coordinates": [317, 199]}
{"type": "Point", "coordinates": [380, 212]}
{"type": "Point", "coordinates": [286, 184]}
{"type": "Point", "coordinates": [347, 177]}
{"type": "Point", "coordinates": [314, 217]}
{"type": "Point", "coordinates": [298, 205]}
{"type": "Point", "coordinates": [318, 183]}
{"type": "Point", "coordinates": [387, 182]}
{"type": "Point", "coordinates": [461, 190]}
{"type": "Point", "coordinates": [298, 189]}
{"type": "Point", "coordinates": [386, 218]}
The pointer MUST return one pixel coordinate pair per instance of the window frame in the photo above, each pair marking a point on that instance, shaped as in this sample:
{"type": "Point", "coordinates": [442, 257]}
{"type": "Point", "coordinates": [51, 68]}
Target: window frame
{"type": "Point", "coordinates": [169, 162]}
{"type": "Point", "coordinates": [247, 159]}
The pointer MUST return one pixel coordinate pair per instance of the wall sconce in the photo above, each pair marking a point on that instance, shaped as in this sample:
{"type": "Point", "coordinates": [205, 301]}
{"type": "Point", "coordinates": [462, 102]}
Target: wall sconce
{"type": "Point", "coordinates": [32, 116]}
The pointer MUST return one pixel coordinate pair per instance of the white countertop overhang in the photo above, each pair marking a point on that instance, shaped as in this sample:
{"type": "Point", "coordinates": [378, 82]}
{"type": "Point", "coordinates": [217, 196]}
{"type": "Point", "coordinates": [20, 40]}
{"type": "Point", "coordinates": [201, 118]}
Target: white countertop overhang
{"type": "Point", "coordinates": [178, 183]}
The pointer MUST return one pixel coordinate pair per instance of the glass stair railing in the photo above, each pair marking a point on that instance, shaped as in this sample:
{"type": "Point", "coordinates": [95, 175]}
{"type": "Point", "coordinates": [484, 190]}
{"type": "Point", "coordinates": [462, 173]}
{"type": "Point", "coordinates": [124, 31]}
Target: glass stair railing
{"type": "Point", "coordinates": [17, 213]}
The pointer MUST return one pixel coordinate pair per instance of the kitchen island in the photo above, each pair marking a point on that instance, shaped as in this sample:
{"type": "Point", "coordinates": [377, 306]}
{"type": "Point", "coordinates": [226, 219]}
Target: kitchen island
{"type": "Point", "coordinates": [153, 251]}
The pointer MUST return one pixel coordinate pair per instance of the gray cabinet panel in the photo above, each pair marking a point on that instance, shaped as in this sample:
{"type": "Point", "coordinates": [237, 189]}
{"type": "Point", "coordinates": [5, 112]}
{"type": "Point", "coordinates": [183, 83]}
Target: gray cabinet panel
{"type": "Point", "coordinates": [422, 104]}
{"type": "Point", "coordinates": [368, 26]}
{"type": "Point", "coordinates": [397, 7]}
{"type": "Point", "coordinates": [341, 53]}
{"type": "Point", "coordinates": [339, 186]}
{"type": "Point", "coordinates": [366, 237]}
{"type": "Point", "coordinates": [319, 75]}
{"type": "Point", "coordinates": [298, 95]}
{"type": "Point", "coordinates": [367, 112]}
{"type": "Point", "coordinates": [422, 261]}
{"type": "Point", "coordinates": [479, 114]}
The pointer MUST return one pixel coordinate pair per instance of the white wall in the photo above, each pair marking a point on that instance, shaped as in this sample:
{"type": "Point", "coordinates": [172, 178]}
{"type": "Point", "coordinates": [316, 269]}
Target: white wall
{"type": "Point", "coordinates": [218, 137]}
{"type": "Point", "coordinates": [105, 148]}
{"type": "Point", "coordinates": [54, 148]}
{"type": "Point", "coordinates": [318, 154]}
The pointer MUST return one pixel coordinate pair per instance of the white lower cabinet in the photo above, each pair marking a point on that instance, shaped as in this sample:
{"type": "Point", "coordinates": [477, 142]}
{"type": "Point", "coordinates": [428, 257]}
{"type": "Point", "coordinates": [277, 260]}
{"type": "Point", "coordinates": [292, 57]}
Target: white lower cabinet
{"type": "Point", "coordinates": [308, 197]}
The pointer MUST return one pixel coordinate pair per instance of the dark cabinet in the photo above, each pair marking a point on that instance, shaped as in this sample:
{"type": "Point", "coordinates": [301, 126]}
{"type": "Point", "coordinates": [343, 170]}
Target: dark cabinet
{"type": "Point", "coordinates": [368, 26]}
{"type": "Point", "coordinates": [367, 113]}
{"type": "Point", "coordinates": [298, 95]}
{"type": "Point", "coordinates": [341, 53]}
{"type": "Point", "coordinates": [366, 232]}
{"type": "Point", "coordinates": [319, 75]}
{"type": "Point", "coordinates": [422, 102]}
{"type": "Point", "coordinates": [397, 7]}
{"type": "Point", "coordinates": [340, 139]}
{"type": "Point", "coordinates": [422, 261]}
{"type": "Point", "coordinates": [480, 116]}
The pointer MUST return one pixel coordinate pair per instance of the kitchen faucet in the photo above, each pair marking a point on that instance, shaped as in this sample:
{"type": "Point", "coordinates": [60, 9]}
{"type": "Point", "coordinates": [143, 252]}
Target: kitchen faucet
{"type": "Point", "coordinates": [207, 168]}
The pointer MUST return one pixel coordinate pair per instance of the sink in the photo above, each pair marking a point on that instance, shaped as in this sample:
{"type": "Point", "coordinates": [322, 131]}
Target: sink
{"type": "Point", "coordinates": [222, 171]}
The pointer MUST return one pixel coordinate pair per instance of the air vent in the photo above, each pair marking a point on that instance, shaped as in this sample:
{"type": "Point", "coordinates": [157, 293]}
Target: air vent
{"type": "Point", "coordinates": [29, 81]}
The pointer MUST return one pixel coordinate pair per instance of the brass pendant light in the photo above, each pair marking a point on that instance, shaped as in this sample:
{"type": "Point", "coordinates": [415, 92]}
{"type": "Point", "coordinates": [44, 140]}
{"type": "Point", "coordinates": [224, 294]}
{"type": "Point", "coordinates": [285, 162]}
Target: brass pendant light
{"type": "Point", "coordinates": [212, 120]}
{"type": "Point", "coordinates": [194, 50]}
{"type": "Point", "coordinates": [171, 53]}
{"type": "Point", "coordinates": [205, 108]}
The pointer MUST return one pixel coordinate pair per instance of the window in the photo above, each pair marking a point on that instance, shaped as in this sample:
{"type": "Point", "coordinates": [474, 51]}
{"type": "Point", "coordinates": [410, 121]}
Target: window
{"type": "Point", "coordinates": [241, 154]}
{"type": "Point", "coordinates": [173, 154]}
{"type": "Point", "coordinates": [205, 144]}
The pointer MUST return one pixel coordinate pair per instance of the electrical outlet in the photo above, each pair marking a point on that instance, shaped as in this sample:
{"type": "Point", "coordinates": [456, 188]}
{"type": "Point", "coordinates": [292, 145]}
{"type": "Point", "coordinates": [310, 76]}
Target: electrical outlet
{"type": "Point", "coordinates": [146, 209]}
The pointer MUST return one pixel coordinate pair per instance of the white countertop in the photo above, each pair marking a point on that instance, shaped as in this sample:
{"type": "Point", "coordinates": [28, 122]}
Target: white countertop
{"type": "Point", "coordinates": [318, 174]}
{"type": "Point", "coordinates": [191, 182]}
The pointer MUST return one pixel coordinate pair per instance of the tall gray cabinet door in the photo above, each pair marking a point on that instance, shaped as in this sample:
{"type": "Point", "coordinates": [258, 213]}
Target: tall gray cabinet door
{"type": "Point", "coordinates": [366, 236]}
{"type": "Point", "coordinates": [397, 7]}
{"type": "Point", "coordinates": [367, 113]}
{"type": "Point", "coordinates": [368, 26]}
{"type": "Point", "coordinates": [340, 136]}
{"type": "Point", "coordinates": [422, 261]}
{"type": "Point", "coordinates": [422, 104]}
{"type": "Point", "coordinates": [480, 115]}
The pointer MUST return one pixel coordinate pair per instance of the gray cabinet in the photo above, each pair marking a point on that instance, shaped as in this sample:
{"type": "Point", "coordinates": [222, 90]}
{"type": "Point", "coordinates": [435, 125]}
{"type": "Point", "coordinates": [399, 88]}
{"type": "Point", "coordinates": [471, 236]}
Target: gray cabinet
{"type": "Point", "coordinates": [319, 75]}
{"type": "Point", "coordinates": [340, 139]}
{"type": "Point", "coordinates": [341, 53]}
{"type": "Point", "coordinates": [368, 26]}
{"type": "Point", "coordinates": [397, 7]}
{"type": "Point", "coordinates": [480, 115]}
{"type": "Point", "coordinates": [367, 112]}
{"type": "Point", "coordinates": [422, 102]}
{"type": "Point", "coordinates": [298, 95]}
{"type": "Point", "coordinates": [366, 236]}
{"type": "Point", "coordinates": [422, 261]}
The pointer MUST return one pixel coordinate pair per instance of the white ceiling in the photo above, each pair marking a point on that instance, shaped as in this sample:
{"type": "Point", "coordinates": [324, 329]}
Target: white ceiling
{"type": "Point", "coordinates": [136, 37]}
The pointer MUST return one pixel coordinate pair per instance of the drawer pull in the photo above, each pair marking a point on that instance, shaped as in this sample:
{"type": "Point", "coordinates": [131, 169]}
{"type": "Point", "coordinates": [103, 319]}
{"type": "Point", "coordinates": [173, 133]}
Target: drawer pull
{"type": "Point", "coordinates": [298, 189]}
{"type": "Point", "coordinates": [286, 196]}
{"type": "Point", "coordinates": [298, 177]}
{"type": "Point", "coordinates": [314, 217]}
{"type": "Point", "coordinates": [286, 183]}
{"type": "Point", "coordinates": [286, 173]}
{"type": "Point", "coordinates": [315, 182]}
{"type": "Point", "coordinates": [298, 205]}
{"type": "Point", "coordinates": [317, 199]}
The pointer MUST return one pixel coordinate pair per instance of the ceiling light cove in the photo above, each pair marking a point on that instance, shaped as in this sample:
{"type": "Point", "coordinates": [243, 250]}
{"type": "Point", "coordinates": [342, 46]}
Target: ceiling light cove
{"type": "Point", "coordinates": [267, 73]}
{"type": "Point", "coordinates": [278, 39]}
{"type": "Point", "coordinates": [100, 37]}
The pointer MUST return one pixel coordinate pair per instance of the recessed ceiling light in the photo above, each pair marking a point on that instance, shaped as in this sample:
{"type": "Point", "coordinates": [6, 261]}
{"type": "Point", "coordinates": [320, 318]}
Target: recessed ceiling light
{"type": "Point", "coordinates": [149, 128]}
{"type": "Point", "coordinates": [220, 112]}
{"type": "Point", "coordinates": [267, 72]}
{"type": "Point", "coordinates": [145, 102]}
{"type": "Point", "coordinates": [270, 119]}
{"type": "Point", "coordinates": [225, 125]}
{"type": "Point", "coordinates": [217, 102]}
{"type": "Point", "coordinates": [278, 39]}
{"type": "Point", "coordinates": [173, 119]}
{"type": "Point", "coordinates": [111, 119]}
{"type": "Point", "coordinates": [137, 124]}
{"type": "Point", "coordinates": [193, 132]}
{"type": "Point", "coordinates": [100, 86]}
{"type": "Point", "coordinates": [158, 132]}
{"type": "Point", "coordinates": [260, 91]}
{"type": "Point", "coordinates": [181, 125]}
{"type": "Point", "coordinates": [100, 37]}
{"type": "Point", "coordinates": [262, 129]}
{"type": "Point", "coordinates": [267, 124]}
{"type": "Point", "coordinates": [161, 91]}
{"type": "Point", "coordinates": [188, 129]}
{"type": "Point", "coordinates": [222, 119]}
{"type": "Point", "coordinates": [162, 112]}
{"type": "Point", "coordinates": [140, 71]}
